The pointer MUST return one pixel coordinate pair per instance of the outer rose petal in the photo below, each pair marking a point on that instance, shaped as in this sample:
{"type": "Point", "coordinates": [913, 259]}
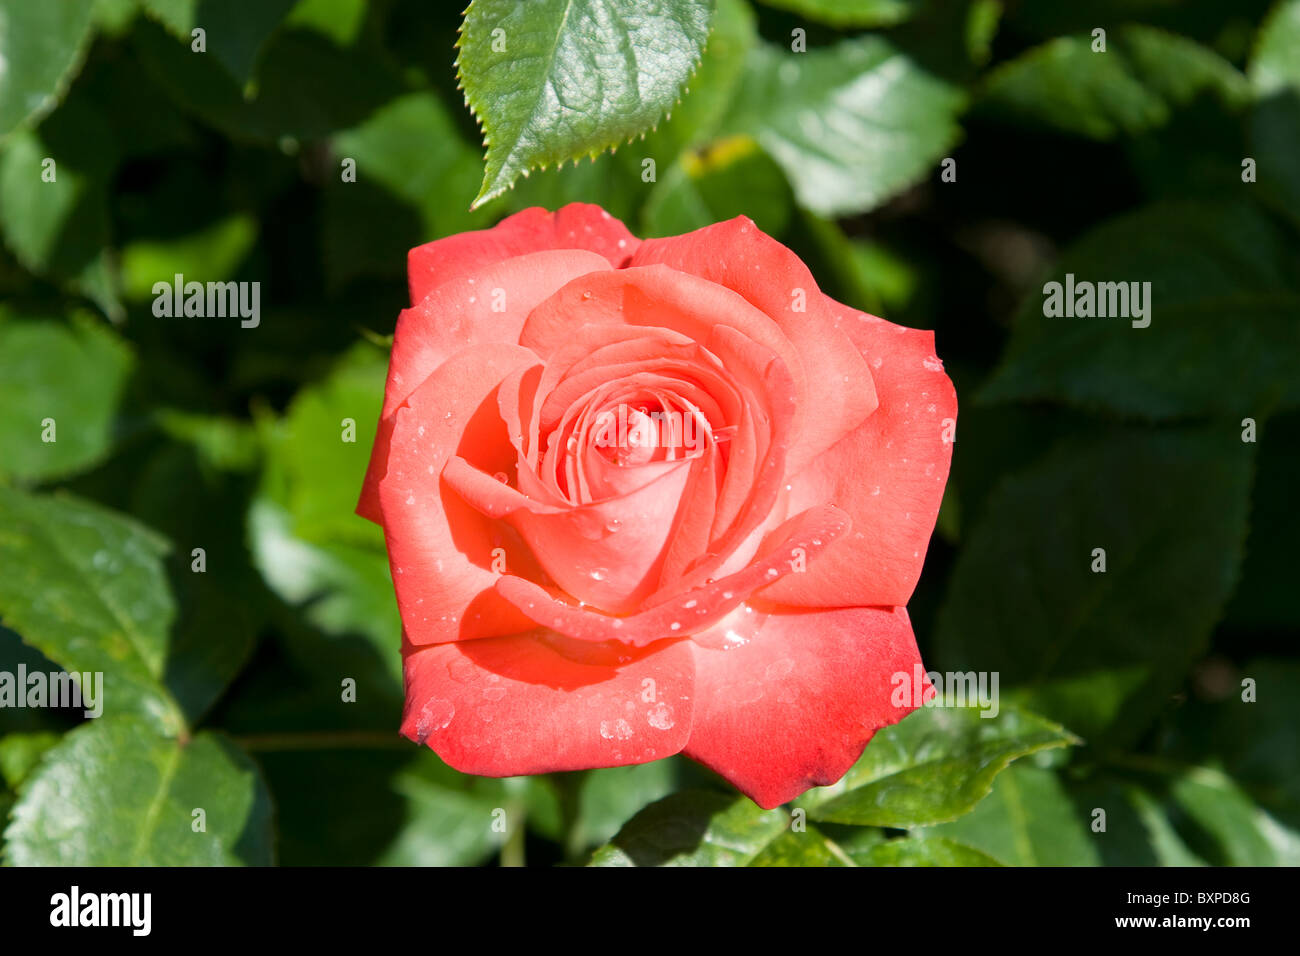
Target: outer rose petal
{"type": "Point", "coordinates": [576, 226]}
{"type": "Point", "coordinates": [441, 549]}
{"type": "Point", "coordinates": [536, 703]}
{"type": "Point", "coordinates": [888, 474]}
{"type": "Point", "coordinates": [739, 256]}
{"type": "Point", "coordinates": [794, 707]}
{"type": "Point", "coordinates": [456, 315]}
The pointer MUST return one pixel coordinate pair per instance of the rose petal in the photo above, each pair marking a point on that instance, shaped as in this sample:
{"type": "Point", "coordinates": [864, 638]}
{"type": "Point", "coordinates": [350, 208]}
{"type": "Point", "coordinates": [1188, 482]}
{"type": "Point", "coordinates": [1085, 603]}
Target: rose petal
{"type": "Point", "coordinates": [456, 315]}
{"type": "Point", "coordinates": [795, 699]}
{"type": "Point", "coordinates": [797, 542]}
{"type": "Point", "coordinates": [888, 474]}
{"type": "Point", "coordinates": [754, 350]}
{"type": "Point", "coordinates": [440, 549]}
{"type": "Point", "coordinates": [575, 226]}
{"type": "Point", "coordinates": [607, 553]}
{"type": "Point", "coordinates": [488, 306]}
{"type": "Point", "coordinates": [835, 384]}
{"type": "Point", "coordinates": [535, 703]}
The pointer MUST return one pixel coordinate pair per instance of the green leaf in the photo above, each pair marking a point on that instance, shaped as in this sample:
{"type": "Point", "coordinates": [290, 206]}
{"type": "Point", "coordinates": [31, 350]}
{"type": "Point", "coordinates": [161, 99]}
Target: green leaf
{"type": "Point", "coordinates": [694, 181]}
{"type": "Point", "coordinates": [922, 850]}
{"type": "Point", "coordinates": [41, 47]}
{"type": "Point", "coordinates": [116, 793]}
{"type": "Point", "coordinates": [1242, 834]}
{"type": "Point", "coordinates": [701, 828]}
{"type": "Point", "coordinates": [713, 87]}
{"type": "Point", "coordinates": [932, 766]}
{"type": "Point", "coordinates": [224, 444]}
{"type": "Point", "coordinates": [1224, 294]}
{"type": "Point", "coordinates": [845, 14]}
{"type": "Point", "coordinates": [113, 17]}
{"type": "Point", "coordinates": [215, 252]}
{"type": "Point", "coordinates": [310, 547]}
{"type": "Point", "coordinates": [729, 178]}
{"type": "Point", "coordinates": [86, 587]}
{"type": "Point", "coordinates": [340, 20]}
{"type": "Point", "coordinates": [445, 826]}
{"type": "Point", "coordinates": [72, 374]}
{"type": "Point", "coordinates": [555, 80]}
{"type": "Point", "coordinates": [1143, 76]}
{"type": "Point", "coordinates": [1028, 820]}
{"type": "Point", "coordinates": [453, 819]}
{"type": "Point", "coordinates": [852, 124]}
{"type": "Point", "coordinates": [1275, 63]}
{"type": "Point", "coordinates": [1100, 651]}
{"type": "Point", "coordinates": [609, 797]}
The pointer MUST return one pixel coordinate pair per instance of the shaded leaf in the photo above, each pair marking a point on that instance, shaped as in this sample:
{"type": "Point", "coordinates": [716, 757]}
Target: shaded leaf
{"type": "Point", "coordinates": [316, 89]}
{"type": "Point", "coordinates": [410, 156]}
{"type": "Point", "coordinates": [235, 31]}
{"type": "Point", "coordinates": [1224, 294]}
{"type": "Point", "coordinates": [1136, 84]}
{"type": "Point", "coordinates": [58, 229]}
{"type": "Point", "coordinates": [1100, 651]}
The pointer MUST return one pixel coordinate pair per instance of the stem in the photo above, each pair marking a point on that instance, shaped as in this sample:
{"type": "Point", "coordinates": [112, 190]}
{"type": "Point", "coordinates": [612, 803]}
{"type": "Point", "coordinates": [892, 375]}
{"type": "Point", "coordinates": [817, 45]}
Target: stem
{"type": "Point", "coordinates": [568, 789]}
{"type": "Point", "coordinates": [512, 851]}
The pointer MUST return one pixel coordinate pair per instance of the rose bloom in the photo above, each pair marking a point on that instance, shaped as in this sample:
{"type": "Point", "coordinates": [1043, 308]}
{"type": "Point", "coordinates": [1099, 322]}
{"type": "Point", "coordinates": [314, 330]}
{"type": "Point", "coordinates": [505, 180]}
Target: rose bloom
{"type": "Point", "coordinates": [648, 498]}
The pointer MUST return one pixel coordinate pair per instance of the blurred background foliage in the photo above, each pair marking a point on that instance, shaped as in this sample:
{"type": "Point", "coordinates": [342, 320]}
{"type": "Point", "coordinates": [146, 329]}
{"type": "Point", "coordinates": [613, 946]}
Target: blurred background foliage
{"type": "Point", "coordinates": [176, 434]}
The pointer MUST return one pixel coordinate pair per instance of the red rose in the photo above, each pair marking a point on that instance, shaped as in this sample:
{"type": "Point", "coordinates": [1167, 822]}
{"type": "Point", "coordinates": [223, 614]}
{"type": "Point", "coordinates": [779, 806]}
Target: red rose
{"type": "Point", "coordinates": [643, 498]}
